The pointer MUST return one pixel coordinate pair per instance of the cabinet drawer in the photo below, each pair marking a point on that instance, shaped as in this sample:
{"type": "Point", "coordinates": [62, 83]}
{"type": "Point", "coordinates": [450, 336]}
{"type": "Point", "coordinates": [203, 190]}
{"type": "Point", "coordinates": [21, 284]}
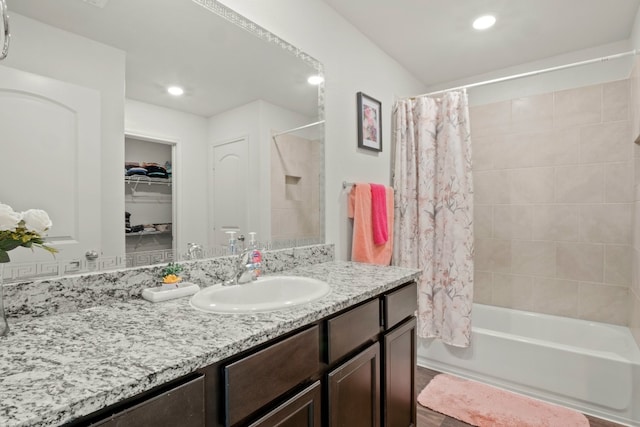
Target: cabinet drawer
{"type": "Point", "coordinates": [182, 405]}
{"type": "Point", "coordinates": [350, 330]}
{"type": "Point", "coordinates": [400, 304]}
{"type": "Point", "coordinates": [254, 381]}
{"type": "Point", "coordinates": [302, 410]}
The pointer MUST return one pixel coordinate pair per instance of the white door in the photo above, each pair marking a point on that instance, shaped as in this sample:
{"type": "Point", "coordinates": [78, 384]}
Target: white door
{"type": "Point", "coordinates": [229, 167]}
{"type": "Point", "coordinates": [53, 160]}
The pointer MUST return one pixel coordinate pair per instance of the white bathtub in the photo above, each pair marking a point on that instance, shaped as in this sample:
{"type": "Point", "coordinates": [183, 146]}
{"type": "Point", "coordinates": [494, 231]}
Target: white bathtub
{"type": "Point", "coordinates": [592, 367]}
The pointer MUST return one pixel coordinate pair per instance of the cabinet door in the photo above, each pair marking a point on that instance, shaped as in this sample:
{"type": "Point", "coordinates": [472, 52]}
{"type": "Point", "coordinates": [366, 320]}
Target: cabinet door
{"type": "Point", "coordinates": [254, 381]}
{"type": "Point", "coordinates": [354, 391]}
{"type": "Point", "coordinates": [398, 395]}
{"type": "Point", "coordinates": [302, 410]}
{"type": "Point", "coordinates": [181, 406]}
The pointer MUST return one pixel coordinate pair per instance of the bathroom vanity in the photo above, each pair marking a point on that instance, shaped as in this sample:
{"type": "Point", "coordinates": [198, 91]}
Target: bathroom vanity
{"type": "Point", "coordinates": [346, 359]}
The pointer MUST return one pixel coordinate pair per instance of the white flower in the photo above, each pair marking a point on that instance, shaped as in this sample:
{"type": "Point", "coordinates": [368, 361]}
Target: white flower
{"type": "Point", "coordinates": [9, 219]}
{"type": "Point", "coordinates": [36, 220]}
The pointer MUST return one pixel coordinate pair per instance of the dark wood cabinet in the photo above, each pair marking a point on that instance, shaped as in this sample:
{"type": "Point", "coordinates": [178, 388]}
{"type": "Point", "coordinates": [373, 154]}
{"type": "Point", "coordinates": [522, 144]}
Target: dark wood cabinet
{"type": "Point", "coordinates": [355, 368]}
{"type": "Point", "coordinates": [399, 304]}
{"type": "Point", "coordinates": [180, 406]}
{"type": "Point", "coordinates": [399, 361]}
{"type": "Point", "coordinates": [302, 410]}
{"type": "Point", "coordinates": [255, 380]}
{"type": "Point", "coordinates": [354, 391]}
{"type": "Point", "coordinates": [350, 330]}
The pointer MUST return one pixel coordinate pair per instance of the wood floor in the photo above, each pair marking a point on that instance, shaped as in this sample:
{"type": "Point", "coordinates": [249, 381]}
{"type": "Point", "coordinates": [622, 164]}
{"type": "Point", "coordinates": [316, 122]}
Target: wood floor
{"type": "Point", "coordinates": [429, 418]}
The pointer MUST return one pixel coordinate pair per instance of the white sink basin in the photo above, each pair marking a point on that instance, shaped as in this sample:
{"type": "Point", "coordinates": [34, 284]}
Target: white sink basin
{"type": "Point", "coordinates": [268, 293]}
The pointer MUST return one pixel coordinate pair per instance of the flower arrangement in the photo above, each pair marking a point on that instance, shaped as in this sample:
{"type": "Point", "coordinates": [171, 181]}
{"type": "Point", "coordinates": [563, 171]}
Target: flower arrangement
{"type": "Point", "coordinates": [170, 273]}
{"type": "Point", "coordinates": [24, 229]}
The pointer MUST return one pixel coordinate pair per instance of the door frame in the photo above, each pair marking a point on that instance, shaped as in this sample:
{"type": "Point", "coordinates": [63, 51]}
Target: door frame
{"type": "Point", "coordinates": [175, 194]}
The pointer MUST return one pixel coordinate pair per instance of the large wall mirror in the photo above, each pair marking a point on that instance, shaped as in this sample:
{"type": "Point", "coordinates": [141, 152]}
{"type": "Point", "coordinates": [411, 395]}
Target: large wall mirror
{"type": "Point", "coordinates": [134, 174]}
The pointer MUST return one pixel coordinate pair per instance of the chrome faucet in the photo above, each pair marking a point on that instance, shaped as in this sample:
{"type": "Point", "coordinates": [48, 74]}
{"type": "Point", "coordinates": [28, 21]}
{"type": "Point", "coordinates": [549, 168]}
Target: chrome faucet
{"type": "Point", "coordinates": [194, 251]}
{"type": "Point", "coordinates": [244, 269]}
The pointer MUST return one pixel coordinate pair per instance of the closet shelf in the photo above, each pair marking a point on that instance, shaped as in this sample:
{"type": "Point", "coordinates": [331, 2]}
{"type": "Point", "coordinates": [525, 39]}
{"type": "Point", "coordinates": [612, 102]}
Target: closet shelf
{"type": "Point", "coordinates": [146, 233]}
{"type": "Point", "coordinates": [135, 180]}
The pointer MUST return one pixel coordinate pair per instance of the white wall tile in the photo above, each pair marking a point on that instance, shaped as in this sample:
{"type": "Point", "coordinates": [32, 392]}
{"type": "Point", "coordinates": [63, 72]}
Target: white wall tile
{"type": "Point", "coordinates": [555, 296]}
{"type": "Point", "coordinates": [482, 284]}
{"type": "Point", "coordinates": [482, 222]}
{"type": "Point", "coordinates": [514, 221]}
{"type": "Point", "coordinates": [556, 222]}
{"type": "Point", "coordinates": [580, 184]}
{"type": "Point", "coordinates": [531, 185]}
{"type": "Point", "coordinates": [490, 187]}
{"type": "Point", "coordinates": [616, 100]}
{"type": "Point", "coordinates": [618, 261]}
{"type": "Point", "coordinates": [484, 151]}
{"type": "Point", "coordinates": [604, 303]}
{"type": "Point", "coordinates": [533, 258]}
{"type": "Point", "coordinates": [532, 114]}
{"type": "Point", "coordinates": [606, 142]}
{"type": "Point", "coordinates": [606, 223]}
{"type": "Point", "coordinates": [576, 107]}
{"type": "Point", "coordinates": [619, 182]}
{"type": "Point", "coordinates": [512, 291]}
{"type": "Point", "coordinates": [492, 255]}
{"type": "Point", "coordinates": [580, 261]}
{"type": "Point", "coordinates": [490, 119]}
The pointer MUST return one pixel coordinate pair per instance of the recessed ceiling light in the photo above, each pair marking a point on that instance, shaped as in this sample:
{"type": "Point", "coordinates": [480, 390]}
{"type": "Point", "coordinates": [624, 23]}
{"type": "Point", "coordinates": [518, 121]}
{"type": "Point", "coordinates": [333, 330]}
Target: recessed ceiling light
{"type": "Point", "coordinates": [175, 90]}
{"type": "Point", "coordinates": [315, 80]}
{"type": "Point", "coordinates": [484, 22]}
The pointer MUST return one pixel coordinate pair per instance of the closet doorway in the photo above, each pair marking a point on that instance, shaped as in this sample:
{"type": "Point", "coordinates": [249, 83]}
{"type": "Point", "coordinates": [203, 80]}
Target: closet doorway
{"type": "Point", "coordinates": [150, 208]}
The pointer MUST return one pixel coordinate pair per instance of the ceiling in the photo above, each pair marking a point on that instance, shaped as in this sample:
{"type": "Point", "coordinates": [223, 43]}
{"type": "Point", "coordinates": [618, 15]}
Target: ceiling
{"type": "Point", "coordinates": [220, 65]}
{"type": "Point", "coordinates": [434, 40]}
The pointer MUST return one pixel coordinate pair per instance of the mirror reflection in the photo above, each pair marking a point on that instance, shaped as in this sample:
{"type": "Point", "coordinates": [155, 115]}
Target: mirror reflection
{"type": "Point", "coordinates": [136, 173]}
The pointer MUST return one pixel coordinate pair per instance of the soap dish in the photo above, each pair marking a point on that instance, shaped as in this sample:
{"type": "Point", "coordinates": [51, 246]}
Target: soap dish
{"type": "Point", "coordinates": [163, 293]}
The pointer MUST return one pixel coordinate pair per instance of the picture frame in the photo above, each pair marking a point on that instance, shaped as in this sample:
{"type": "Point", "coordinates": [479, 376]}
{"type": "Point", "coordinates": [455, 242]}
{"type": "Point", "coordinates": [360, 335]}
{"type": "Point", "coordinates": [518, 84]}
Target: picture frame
{"type": "Point", "coordinates": [369, 122]}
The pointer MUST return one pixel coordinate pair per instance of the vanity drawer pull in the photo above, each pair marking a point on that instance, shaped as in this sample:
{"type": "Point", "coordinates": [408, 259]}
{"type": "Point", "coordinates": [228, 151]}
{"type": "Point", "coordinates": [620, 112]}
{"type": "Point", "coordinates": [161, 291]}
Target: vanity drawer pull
{"type": "Point", "coordinates": [252, 382]}
{"type": "Point", "coordinates": [400, 304]}
{"type": "Point", "coordinates": [350, 330]}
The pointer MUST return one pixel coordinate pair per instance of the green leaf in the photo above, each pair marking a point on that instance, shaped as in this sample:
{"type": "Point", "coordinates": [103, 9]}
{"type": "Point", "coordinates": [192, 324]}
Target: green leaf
{"type": "Point", "coordinates": [4, 256]}
{"type": "Point", "coordinates": [9, 244]}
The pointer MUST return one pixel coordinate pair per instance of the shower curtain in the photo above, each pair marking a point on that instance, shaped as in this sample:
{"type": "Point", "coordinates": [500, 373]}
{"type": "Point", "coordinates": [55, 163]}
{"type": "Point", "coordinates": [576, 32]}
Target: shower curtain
{"type": "Point", "coordinates": [434, 211]}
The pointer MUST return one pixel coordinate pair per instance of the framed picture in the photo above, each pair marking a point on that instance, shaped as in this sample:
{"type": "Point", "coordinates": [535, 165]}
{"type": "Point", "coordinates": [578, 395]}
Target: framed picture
{"type": "Point", "coordinates": [369, 123]}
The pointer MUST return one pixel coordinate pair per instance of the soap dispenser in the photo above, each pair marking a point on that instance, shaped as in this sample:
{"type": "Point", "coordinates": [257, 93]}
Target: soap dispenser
{"type": "Point", "coordinates": [232, 242]}
{"type": "Point", "coordinates": [256, 255]}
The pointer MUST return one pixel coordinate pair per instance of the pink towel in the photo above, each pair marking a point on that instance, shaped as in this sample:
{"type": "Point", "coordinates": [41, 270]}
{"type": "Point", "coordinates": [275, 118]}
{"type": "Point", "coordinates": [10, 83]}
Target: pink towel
{"type": "Point", "coordinates": [363, 249]}
{"type": "Point", "coordinates": [379, 214]}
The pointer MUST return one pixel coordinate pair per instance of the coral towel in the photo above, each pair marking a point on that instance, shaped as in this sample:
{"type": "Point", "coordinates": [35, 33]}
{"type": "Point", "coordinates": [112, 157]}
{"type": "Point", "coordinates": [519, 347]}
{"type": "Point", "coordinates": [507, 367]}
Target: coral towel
{"type": "Point", "coordinates": [379, 214]}
{"type": "Point", "coordinates": [363, 248]}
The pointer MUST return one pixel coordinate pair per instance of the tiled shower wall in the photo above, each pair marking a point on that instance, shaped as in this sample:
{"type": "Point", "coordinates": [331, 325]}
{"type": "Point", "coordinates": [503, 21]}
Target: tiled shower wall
{"type": "Point", "coordinates": [295, 177]}
{"type": "Point", "coordinates": [553, 177]}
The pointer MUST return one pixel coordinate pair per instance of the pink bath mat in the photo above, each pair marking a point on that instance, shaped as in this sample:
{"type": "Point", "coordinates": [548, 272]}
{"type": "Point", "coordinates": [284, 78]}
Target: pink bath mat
{"type": "Point", "coordinates": [485, 406]}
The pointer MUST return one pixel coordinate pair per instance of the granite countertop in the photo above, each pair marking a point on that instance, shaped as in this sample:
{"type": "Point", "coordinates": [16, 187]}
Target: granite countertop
{"type": "Point", "coordinates": [57, 368]}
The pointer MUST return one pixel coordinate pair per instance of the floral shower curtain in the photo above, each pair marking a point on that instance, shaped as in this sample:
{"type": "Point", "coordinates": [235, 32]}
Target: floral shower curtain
{"type": "Point", "coordinates": [434, 211]}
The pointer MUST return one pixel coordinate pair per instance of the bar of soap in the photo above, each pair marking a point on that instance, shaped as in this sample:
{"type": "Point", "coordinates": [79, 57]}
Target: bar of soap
{"type": "Point", "coordinates": [162, 293]}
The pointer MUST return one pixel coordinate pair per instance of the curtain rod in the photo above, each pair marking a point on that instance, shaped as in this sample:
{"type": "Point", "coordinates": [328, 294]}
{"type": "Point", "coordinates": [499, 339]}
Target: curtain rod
{"type": "Point", "coordinates": [531, 73]}
{"type": "Point", "coordinates": [298, 128]}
